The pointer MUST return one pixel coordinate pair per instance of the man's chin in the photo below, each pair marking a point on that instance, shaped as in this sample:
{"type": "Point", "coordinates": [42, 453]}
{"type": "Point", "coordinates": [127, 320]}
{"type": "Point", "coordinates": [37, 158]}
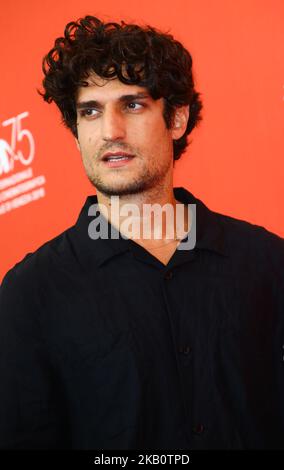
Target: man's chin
{"type": "Point", "coordinates": [122, 187]}
{"type": "Point", "coordinates": [119, 189]}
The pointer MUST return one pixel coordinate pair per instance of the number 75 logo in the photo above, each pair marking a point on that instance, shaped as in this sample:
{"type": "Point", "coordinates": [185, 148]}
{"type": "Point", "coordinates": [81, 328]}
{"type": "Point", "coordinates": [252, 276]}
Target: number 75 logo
{"type": "Point", "coordinates": [8, 152]}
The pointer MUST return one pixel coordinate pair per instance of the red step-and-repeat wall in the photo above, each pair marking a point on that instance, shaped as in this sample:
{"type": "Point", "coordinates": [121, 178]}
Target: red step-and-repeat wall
{"type": "Point", "coordinates": [235, 162]}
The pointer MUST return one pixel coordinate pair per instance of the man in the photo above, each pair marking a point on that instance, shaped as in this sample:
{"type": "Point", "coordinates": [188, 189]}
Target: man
{"type": "Point", "coordinates": [134, 341]}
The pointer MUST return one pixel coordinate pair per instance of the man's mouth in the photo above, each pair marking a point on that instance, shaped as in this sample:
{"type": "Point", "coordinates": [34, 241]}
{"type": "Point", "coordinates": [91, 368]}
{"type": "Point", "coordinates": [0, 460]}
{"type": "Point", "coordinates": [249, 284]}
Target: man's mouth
{"type": "Point", "coordinates": [117, 158]}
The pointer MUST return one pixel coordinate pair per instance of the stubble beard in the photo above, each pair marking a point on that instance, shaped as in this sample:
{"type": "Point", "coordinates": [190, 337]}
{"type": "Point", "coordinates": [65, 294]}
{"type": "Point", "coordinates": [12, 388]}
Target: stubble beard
{"type": "Point", "coordinates": [147, 180]}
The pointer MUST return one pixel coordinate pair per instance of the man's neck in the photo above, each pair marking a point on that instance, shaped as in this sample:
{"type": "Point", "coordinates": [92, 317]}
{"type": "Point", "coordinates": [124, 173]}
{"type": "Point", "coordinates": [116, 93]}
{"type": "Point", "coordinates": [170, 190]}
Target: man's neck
{"type": "Point", "coordinates": [153, 217]}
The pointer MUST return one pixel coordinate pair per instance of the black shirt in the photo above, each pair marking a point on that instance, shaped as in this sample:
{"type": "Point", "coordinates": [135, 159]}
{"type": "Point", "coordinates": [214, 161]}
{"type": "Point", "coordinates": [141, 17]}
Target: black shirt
{"type": "Point", "coordinates": [104, 347]}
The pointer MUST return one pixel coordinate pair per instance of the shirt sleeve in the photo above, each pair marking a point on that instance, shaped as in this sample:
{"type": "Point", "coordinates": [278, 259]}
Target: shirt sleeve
{"type": "Point", "coordinates": [31, 409]}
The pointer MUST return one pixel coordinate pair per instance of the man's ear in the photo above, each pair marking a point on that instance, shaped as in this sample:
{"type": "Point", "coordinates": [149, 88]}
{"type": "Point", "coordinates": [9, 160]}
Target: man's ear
{"type": "Point", "coordinates": [77, 144]}
{"type": "Point", "coordinates": [180, 122]}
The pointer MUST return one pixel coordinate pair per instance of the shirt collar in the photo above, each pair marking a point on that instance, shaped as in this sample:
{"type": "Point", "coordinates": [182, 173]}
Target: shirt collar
{"type": "Point", "coordinates": [210, 234]}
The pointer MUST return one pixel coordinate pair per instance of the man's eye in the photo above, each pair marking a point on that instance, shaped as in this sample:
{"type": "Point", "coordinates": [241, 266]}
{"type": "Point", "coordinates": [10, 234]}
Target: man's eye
{"type": "Point", "coordinates": [135, 105]}
{"type": "Point", "coordinates": [88, 112]}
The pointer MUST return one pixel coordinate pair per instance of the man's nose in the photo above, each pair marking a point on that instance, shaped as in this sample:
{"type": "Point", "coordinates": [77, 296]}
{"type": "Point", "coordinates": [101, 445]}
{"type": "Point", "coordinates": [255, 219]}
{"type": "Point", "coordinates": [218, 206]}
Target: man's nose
{"type": "Point", "coordinates": [113, 126]}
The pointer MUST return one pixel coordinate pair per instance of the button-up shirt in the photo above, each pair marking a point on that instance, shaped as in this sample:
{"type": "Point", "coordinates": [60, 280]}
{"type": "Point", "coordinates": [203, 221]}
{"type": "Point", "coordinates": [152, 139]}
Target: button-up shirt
{"type": "Point", "coordinates": [102, 346]}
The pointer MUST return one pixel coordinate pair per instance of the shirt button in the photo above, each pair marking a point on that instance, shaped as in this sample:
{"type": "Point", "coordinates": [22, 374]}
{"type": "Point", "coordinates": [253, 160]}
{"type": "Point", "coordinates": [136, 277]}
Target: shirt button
{"type": "Point", "coordinates": [198, 429]}
{"type": "Point", "coordinates": [168, 275]}
{"type": "Point", "coordinates": [185, 349]}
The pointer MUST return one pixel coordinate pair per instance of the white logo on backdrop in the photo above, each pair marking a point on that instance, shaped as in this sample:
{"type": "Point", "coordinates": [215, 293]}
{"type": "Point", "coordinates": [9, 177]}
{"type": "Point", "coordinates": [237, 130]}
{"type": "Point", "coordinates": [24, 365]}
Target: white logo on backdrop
{"type": "Point", "coordinates": [8, 152]}
{"type": "Point", "coordinates": [18, 188]}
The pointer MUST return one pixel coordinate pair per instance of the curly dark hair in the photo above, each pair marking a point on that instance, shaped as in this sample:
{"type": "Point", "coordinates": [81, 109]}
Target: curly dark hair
{"type": "Point", "coordinates": [135, 55]}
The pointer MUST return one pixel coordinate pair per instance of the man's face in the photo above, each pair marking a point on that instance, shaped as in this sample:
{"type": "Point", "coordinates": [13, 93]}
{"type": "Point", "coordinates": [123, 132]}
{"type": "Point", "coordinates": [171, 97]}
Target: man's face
{"type": "Point", "coordinates": [122, 136]}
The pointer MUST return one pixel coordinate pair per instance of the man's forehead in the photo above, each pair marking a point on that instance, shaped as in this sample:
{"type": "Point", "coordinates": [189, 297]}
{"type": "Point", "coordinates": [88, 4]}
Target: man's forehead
{"type": "Point", "coordinates": [100, 87]}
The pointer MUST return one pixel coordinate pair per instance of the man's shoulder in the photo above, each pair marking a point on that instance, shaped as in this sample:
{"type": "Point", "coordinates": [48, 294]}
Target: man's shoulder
{"type": "Point", "coordinates": [239, 234]}
{"type": "Point", "coordinates": [237, 226]}
{"type": "Point", "coordinates": [51, 253]}
{"type": "Point", "coordinates": [252, 240]}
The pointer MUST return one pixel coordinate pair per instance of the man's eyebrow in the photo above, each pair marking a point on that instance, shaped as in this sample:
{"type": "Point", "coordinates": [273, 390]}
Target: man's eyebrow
{"type": "Point", "coordinates": [135, 96]}
{"type": "Point", "coordinates": [123, 99]}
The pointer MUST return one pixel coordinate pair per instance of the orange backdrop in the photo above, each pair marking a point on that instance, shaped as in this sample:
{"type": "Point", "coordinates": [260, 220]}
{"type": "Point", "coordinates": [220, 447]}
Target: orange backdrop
{"type": "Point", "coordinates": [235, 162]}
